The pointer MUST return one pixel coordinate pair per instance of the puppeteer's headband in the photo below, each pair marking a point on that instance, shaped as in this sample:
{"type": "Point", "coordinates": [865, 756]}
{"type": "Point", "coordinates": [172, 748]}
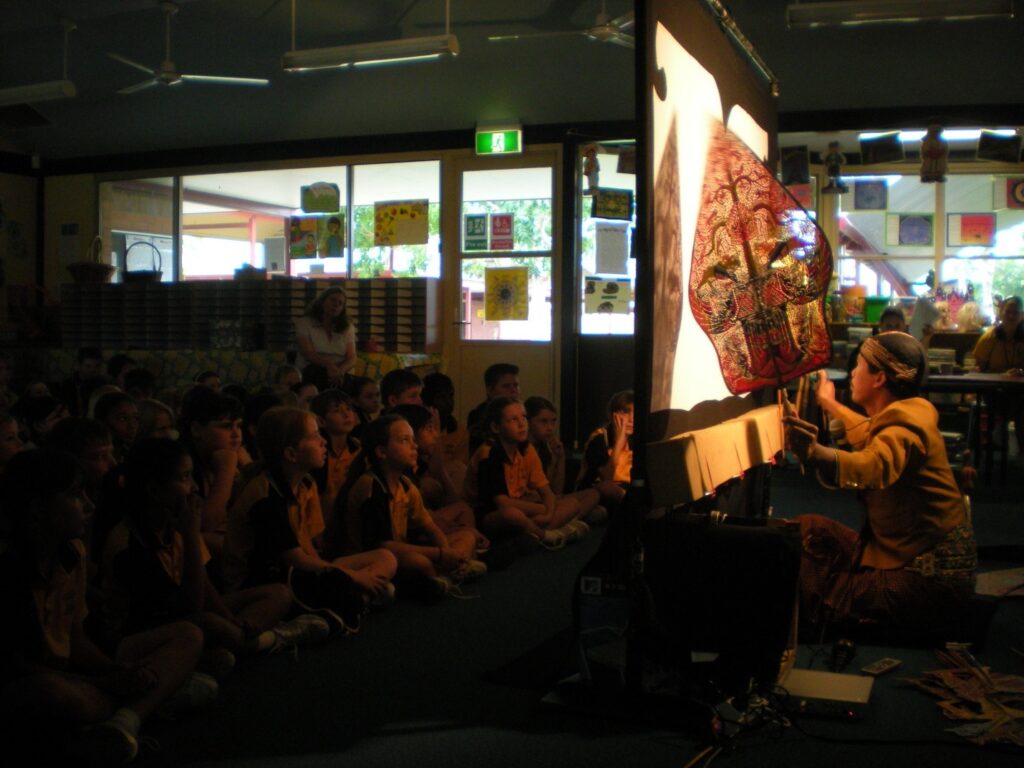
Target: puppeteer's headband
{"type": "Point", "coordinates": [879, 355]}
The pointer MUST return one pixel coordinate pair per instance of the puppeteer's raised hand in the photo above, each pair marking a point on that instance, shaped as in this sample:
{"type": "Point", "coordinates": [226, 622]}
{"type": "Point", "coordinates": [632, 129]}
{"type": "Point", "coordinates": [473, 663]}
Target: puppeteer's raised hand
{"type": "Point", "coordinates": [801, 438]}
{"type": "Point", "coordinates": [825, 392]}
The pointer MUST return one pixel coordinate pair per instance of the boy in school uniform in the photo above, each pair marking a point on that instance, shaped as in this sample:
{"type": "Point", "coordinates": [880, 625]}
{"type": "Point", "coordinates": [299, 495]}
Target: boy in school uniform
{"type": "Point", "coordinates": [391, 513]}
{"type": "Point", "coordinates": [400, 386]}
{"type": "Point", "coordinates": [274, 527]}
{"type": "Point", "coordinates": [337, 419]}
{"type": "Point", "coordinates": [500, 380]}
{"type": "Point", "coordinates": [507, 481]}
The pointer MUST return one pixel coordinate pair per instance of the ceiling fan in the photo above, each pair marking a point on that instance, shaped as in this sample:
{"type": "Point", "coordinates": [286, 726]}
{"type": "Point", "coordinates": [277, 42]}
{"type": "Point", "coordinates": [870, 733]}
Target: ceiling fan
{"type": "Point", "coordinates": [166, 74]}
{"type": "Point", "coordinates": [605, 29]}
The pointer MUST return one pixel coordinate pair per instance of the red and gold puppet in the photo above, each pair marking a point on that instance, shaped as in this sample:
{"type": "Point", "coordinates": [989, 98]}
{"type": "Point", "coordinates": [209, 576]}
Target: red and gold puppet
{"type": "Point", "coordinates": [760, 271]}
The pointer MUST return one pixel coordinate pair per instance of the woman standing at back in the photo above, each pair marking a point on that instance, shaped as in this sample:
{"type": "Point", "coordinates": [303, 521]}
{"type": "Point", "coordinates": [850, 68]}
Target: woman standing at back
{"type": "Point", "coordinates": [326, 339]}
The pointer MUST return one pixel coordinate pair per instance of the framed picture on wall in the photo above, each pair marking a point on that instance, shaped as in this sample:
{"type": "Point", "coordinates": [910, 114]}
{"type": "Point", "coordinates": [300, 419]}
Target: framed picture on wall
{"type": "Point", "coordinates": [970, 229]}
{"type": "Point", "coordinates": [909, 229]}
{"type": "Point", "coordinates": [870, 195]}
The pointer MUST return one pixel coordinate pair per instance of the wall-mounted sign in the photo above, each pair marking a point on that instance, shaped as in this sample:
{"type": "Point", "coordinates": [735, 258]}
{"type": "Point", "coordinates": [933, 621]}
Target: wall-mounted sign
{"type": "Point", "coordinates": [499, 142]}
{"type": "Point", "coordinates": [501, 232]}
{"type": "Point", "coordinates": [474, 232]}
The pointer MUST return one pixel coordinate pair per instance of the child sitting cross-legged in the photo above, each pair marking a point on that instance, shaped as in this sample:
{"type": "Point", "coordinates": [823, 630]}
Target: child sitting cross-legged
{"type": "Point", "coordinates": [440, 495]}
{"type": "Point", "coordinates": [337, 418]}
{"type": "Point", "coordinates": [274, 527]}
{"type": "Point", "coordinates": [390, 512]}
{"type": "Point", "coordinates": [154, 564]}
{"type": "Point", "coordinates": [543, 418]}
{"type": "Point", "coordinates": [507, 483]}
{"type": "Point", "coordinates": [54, 681]}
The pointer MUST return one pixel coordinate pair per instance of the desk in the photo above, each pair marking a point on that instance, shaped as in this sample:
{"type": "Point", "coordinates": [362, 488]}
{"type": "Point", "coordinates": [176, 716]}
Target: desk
{"type": "Point", "coordinates": [983, 385]}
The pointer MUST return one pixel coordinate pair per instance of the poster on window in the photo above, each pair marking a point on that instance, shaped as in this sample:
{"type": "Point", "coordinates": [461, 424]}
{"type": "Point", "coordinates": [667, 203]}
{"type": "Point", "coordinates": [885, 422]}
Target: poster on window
{"type": "Point", "coordinates": [602, 296]}
{"type": "Point", "coordinates": [321, 197]}
{"type": "Point", "coordinates": [612, 247]}
{"type": "Point", "coordinates": [506, 293]}
{"type": "Point", "coordinates": [400, 222]}
{"type": "Point", "coordinates": [302, 239]}
{"type": "Point", "coordinates": [474, 230]}
{"type": "Point", "coordinates": [501, 232]}
{"type": "Point", "coordinates": [1014, 194]}
{"type": "Point", "coordinates": [971, 229]}
{"type": "Point", "coordinates": [612, 204]}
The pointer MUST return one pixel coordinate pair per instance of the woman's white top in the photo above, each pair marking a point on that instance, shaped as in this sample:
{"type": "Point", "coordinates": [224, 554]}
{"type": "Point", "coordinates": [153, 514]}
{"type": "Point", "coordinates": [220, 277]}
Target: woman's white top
{"type": "Point", "coordinates": [335, 346]}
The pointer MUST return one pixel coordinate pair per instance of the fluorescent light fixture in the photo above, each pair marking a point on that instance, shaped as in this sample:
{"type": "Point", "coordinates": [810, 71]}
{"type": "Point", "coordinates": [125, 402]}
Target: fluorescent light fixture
{"type": "Point", "coordinates": [854, 12]}
{"type": "Point", "coordinates": [950, 134]}
{"type": "Point", "coordinates": [30, 94]}
{"type": "Point", "coordinates": [402, 50]}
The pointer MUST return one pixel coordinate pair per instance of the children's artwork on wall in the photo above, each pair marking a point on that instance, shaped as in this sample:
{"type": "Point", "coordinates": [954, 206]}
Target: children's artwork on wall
{"type": "Point", "coordinates": [909, 229]}
{"type": "Point", "coordinates": [331, 236]}
{"type": "Point", "coordinates": [400, 222]}
{"type": "Point", "coordinates": [759, 274]}
{"type": "Point", "coordinates": [302, 237]}
{"type": "Point", "coordinates": [604, 296]}
{"type": "Point", "coordinates": [971, 229]}
{"type": "Point", "coordinates": [612, 204]}
{"type": "Point", "coordinates": [506, 293]}
{"type": "Point", "coordinates": [612, 246]}
{"type": "Point", "coordinates": [870, 195]}
{"type": "Point", "coordinates": [474, 232]}
{"type": "Point", "coordinates": [502, 235]}
{"type": "Point", "coordinates": [627, 160]}
{"type": "Point", "coordinates": [321, 197]}
{"type": "Point", "coordinates": [1013, 194]}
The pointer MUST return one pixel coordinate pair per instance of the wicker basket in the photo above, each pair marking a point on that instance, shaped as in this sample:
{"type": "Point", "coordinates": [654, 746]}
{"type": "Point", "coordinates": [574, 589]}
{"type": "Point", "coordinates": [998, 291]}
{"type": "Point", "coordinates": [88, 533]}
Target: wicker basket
{"type": "Point", "coordinates": [92, 270]}
{"type": "Point", "coordinates": [153, 275]}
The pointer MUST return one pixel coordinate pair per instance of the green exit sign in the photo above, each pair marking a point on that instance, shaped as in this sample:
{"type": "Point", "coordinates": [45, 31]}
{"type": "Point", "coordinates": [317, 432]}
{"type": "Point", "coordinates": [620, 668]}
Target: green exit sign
{"type": "Point", "coordinates": [505, 142]}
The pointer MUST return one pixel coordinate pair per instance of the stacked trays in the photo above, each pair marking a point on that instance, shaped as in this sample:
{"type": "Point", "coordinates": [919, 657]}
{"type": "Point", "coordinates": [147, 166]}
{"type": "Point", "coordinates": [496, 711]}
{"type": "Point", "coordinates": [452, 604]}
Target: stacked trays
{"type": "Point", "coordinates": [241, 314]}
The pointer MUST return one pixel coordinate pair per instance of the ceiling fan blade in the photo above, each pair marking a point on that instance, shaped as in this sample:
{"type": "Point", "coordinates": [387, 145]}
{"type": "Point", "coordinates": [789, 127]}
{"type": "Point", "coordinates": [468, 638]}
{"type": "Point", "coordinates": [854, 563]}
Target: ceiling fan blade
{"type": "Point", "coordinates": [625, 21]}
{"type": "Point", "coordinates": [130, 63]}
{"type": "Point", "coordinates": [626, 41]}
{"type": "Point", "coordinates": [139, 86]}
{"type": "Point", "coordinates": [532, 35]}
{"type": "Point", "coordinates": [216, 79]}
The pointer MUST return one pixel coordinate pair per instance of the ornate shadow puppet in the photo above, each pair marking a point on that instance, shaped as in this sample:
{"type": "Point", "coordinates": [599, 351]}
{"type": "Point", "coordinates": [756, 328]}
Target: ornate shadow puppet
{"type": "Point", "coordinates": [760, 271]}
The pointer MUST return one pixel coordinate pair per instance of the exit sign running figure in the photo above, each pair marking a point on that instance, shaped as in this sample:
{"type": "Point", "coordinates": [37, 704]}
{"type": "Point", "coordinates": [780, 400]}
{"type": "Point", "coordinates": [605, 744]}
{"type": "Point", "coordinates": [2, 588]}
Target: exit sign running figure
{"type": "Point", "coordinates": [504, 142]}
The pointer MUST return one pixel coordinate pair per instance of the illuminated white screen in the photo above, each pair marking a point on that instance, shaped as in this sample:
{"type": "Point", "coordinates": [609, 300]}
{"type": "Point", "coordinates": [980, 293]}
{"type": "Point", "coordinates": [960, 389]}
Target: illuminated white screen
{"type": "Point", "coordinates": [694, 106]}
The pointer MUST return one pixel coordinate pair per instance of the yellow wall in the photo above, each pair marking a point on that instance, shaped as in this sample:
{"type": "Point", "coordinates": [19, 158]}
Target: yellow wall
{"type": "Point", "coordinates": [17, 237]}
{"type": "Point", "coordinates": [66, 200]}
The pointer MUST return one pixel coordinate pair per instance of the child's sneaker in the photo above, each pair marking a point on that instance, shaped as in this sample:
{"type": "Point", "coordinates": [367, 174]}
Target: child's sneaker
{"type": "Point", "coordinates": [305, 629]}
{"type": "Point", "coordinates": [385, 597]}
{"type": "Point", "coordinates": [471, 570]}
{"type": "Point", "coordinates": [596, 516]}
{"type": "Point", "coordinates": [197, 691]}
{"type": "Point", "coordinates": [553, 539]}
{"type": "Point", "coordinates": [217, 662]}
{"type": "Point", "coordinates": [111, 742]}
{"type": "Point", "coordinates": [574, 530]}
{"type": "Point", "coordinates": [442, 585]}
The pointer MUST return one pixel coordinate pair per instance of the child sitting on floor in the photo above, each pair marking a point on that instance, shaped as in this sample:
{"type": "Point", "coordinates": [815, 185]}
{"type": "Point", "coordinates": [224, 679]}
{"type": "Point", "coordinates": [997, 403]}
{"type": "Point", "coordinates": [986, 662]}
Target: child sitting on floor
{"type": "Point", "coordinates": [277, 520]}
{"type": "Point", "coordinates": [154, 563]}
{"type": "Point", "coordinates": [543, 418]}
{"type": "Point", "coordinates": [440, 494]}
{"type": "Point", "coordinates": [400, 386]}
{"type": "Point", "coordinates": [54, 677]}
{"type": "Point", "coordinates": [391, 514]}
{"type": "Point", "coordinates": [507, 483]}
{"type": "Point", "coordinates": [608, 453]}
{"type": "Point", "coordinates": [336, 419]}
